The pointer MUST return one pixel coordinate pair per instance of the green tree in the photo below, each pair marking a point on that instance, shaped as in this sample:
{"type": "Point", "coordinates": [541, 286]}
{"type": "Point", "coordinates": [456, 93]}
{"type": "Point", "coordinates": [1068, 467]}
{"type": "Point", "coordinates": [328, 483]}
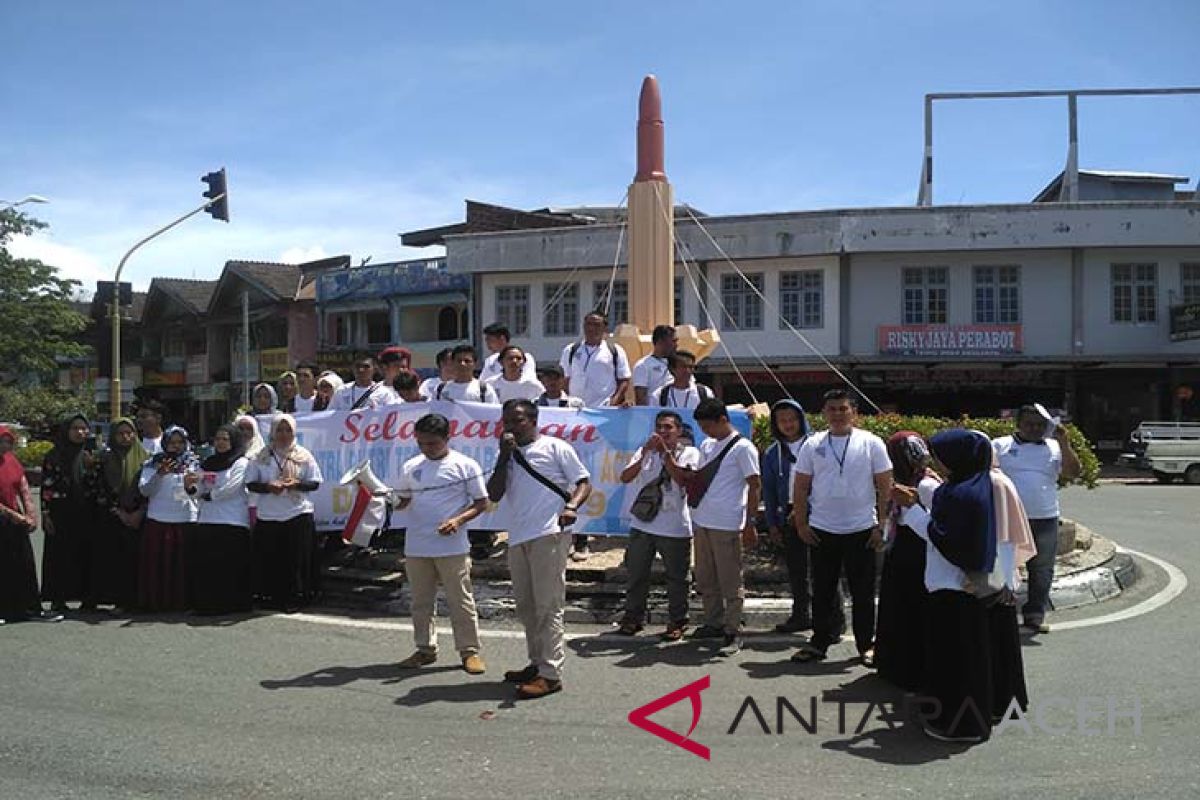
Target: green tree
{"type": "Point", "coordinates": [39, 324]}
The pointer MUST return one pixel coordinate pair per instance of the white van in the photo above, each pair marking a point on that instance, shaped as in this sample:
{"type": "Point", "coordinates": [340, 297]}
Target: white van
{"type": "Point", "coordinates": [1168, 449]}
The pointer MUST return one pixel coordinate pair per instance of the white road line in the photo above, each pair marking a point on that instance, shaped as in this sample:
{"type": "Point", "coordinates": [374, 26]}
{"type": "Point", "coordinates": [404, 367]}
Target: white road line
{"type": "Point", "coordinates": [1176, 583]}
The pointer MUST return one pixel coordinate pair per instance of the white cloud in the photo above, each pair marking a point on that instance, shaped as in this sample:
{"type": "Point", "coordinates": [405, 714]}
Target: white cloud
{"type": "Point", "coordinates": [298, 255]}
{"type": "Point", "coordinates": [72, 262]}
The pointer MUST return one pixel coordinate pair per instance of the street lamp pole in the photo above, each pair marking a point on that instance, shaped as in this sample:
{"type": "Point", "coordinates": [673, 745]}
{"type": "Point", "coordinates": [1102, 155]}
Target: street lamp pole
{"type": "Point", "coordinates": [114, 385]}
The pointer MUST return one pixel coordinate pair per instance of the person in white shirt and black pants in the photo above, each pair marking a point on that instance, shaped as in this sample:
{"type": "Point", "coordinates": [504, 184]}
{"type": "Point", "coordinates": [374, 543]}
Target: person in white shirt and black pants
{"type": "Point", "coordinates": [539, 483]}
{"type": "Point", "coordinates": [843, 482]}
{"type": "Point", "coordinates": [723, 492]}
{"type": "Point", "coordinates": [219, 547]}
{"type": "Point", "coordinates": [1034, 463]}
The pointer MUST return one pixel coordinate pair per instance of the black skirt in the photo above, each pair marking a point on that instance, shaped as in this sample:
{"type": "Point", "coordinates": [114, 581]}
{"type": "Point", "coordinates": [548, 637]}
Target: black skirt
{"type": "Point", "coordinates": [900, 630]}
{"type": "Point", "coordinates": [958, 687]}
{"type": "Point", "coordinates": [113, 561]}
{"type": "Point", "coordinates": [65, 556]}
{"type": "Point", "coordinates": [18, 573]}
{"type": "Point", "coordinates": [1008, 667]}
{"type": "Point", "coordinates": [283, 554]}
{"type": "Point", "coordinates": [218, 568]}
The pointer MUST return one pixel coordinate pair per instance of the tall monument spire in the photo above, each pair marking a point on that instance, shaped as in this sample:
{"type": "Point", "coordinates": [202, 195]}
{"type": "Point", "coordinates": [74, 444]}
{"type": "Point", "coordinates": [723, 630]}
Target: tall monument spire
{"type": "Point", "coordinates": [650, 149]}
{"type": "Point", "coordinates": [651, 220]}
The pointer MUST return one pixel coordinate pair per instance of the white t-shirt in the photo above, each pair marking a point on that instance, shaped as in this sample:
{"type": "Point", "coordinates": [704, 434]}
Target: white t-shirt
{"type": "Point", "coordinates": [674, 517]}
{"type": "Point", "coordinates": [521, 389]}
{"type": "Point", "coordinates": [724, 504]}
{"type": "Point", "coordinates": [439, 490]}
{"type": "Point", "coordinates": [167, 500]}
{"type": "Point", "coordinates": [304, 406]}
{"type": "Point", "coordinates": [670, 397]}
{"type": "Point", "coordinates": [650, 373]}
{"type": "Point", "coordinates": [592, 376]}
{"type": "Point", "coordinates": [429, 386]}
{"type": "Point", "coordinates": [492, 367]}
{"type": "Point", "coordinates": [228, 500]}
{"type": "Point", "coordinates": [531, 509]}
{"type": "Point", "coordinates": [474, 391]}
{"type": "Point", "coordinates": [289, 504]}
{"type": "Point", "coordinates": [1034, 470]}
{"type": "Point", "coordinates": [153, 446]}
{"type": "Point", "coordinates": [562, 401]}
{"type": "Point", "coordinates": [351, 393]}
{"type": "Point", "coordinates": [843, 470]}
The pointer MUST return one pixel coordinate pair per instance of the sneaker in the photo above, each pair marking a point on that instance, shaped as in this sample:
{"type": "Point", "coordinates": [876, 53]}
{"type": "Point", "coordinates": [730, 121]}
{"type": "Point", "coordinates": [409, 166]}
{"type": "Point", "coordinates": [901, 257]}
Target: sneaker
{"type": "Point", "coordinates": [538, 687]}
{"type": "Point", "coordinates": [629, 628]}
{"type": "Point", "coordinates": [49, 616]}
{"type": "Point", "coordinates": [581, 554]}
{"type": "Point", "coordinates": [731, 646]}
{"type": "Point", "coordinates": [707, 632]}
{"type": "Point", "coordinates": [473, 665]}
{"type": "Point", "coordinates": [421, 658]}
{"type": "Point", "coordinates": [1036, 627]}
{"type": "Point", "coordinates": [794, 625]}
{"type": "Point", "coordinates": [521, 675]}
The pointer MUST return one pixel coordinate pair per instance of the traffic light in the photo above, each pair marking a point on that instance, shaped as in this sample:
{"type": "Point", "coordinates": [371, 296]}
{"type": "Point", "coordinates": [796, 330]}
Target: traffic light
{"type": "Point", "coordinates": [218, 193]}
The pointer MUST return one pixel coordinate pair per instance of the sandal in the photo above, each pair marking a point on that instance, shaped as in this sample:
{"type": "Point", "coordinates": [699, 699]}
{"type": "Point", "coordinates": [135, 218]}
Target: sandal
{"type": "Point", "coordinates": [673, 633]}
{"type": "Point", "coordinates": [806, 655]}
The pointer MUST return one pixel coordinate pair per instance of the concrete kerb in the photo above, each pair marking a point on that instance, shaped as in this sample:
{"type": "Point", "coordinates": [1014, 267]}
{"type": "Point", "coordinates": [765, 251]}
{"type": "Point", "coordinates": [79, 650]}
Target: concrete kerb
{"type": "Point", "coordinates": [1090, 572]}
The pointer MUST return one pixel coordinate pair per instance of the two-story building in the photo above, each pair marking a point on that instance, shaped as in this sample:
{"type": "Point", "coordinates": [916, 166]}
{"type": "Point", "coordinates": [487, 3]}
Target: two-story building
{"type": "Point", "coordinates": [941, 310]}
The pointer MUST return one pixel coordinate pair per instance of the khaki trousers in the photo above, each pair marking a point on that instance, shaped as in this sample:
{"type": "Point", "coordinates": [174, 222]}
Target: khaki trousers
{"type": "Point", "coordinates": [539, 578]}
{"type": "Point", "coordinates": [718, 571]}
{"type": "Point", "coordinates": [454, 573]}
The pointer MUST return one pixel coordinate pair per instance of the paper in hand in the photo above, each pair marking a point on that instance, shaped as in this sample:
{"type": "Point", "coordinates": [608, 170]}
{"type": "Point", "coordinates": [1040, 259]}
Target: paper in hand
{"type": "Point", "coordinates": [1052, 421]}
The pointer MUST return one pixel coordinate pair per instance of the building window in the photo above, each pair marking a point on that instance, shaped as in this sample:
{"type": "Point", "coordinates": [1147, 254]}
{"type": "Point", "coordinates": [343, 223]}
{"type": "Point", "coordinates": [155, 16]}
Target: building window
{"type": "Point", "coordinates": [448, 324]}
{"type": "Point", "coordinates": [379, 327]}
{"type": "Point", "coordinates": [997, 295]}
{"type": "Point", "coordinates": [339, 330]}
{"type": "Point", "coordinates": [512, 308]}
{"type": "Point", "coordinates": [561, 304]}
{"type": "Point", "coordinates": [802, 298]}
{"type": "Point", "coordinates": [678, 310]}
{"type": "Point", "coordinates": [618, 307]}
{"type": "Point", "coordinates": [1135, 293]}
{"type": "Point", "coordinates": [743, 305]}
{"type": "Point", "coordinates": [1189, 283]}
{"type": "Point", "coordinates": [925, 291]}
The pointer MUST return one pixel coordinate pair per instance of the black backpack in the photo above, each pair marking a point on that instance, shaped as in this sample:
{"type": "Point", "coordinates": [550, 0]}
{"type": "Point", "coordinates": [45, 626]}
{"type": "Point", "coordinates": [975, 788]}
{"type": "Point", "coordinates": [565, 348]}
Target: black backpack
{"type": "Point", "coordinates": [702, 391]}
{"type": "Point", "coordinates": [612, 349]}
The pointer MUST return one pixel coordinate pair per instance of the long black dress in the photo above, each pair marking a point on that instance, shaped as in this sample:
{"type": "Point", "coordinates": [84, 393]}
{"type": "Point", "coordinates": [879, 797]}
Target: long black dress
{"type": "Point", "coordinates": [113, 545]}
{"type": "Point", "coordinates": [18, 573]}
{"type": "Point", "coordinates": [65, 558]}
{"type": "Point", "coordinates": [900, 631]}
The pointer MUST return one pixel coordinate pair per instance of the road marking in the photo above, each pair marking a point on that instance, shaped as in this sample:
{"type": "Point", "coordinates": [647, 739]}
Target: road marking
{"type": "Point", "coordinates": [1176, 582]}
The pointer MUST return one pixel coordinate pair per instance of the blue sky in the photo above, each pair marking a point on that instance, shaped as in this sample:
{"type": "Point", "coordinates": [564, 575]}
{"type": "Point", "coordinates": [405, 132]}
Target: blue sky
{"type": "Point", "coordinates": [345, 124]}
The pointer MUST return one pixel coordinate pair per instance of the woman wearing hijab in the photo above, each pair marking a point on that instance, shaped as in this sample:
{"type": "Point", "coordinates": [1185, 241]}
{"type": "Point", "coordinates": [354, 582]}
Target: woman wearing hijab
{"type": "Point", "coordinates": [18, 519]}
{"type": "Point", "coordinates": [282, 476]}
{"type": "Point", "coordinates": [287, 389]}
{"type": "Point", "coordinates": [973, 665]}
{"type": "Point", "coordinates": [67, 510]}
{"type": "Point", "coordinates": [169, 513]}
{"type": "Point", "coordinates": [264, 407]}
{"type": "Point", "coordinates": [219, 547]}
{"type": "Point", "coordinates": [900, 630]}
{"type": "Point", "coordinates": [252, 438]}
{"type": "Point", "coordinates": [116, 541]}
{"type": "Point", "coordinates": [328, 385]}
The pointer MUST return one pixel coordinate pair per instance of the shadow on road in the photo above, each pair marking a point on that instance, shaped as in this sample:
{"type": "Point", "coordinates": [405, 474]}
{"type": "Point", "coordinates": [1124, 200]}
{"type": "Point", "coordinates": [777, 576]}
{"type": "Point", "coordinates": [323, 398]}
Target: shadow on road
{"type": "Point", "coordinates": [503, 694]}
{"type": "Point", "coordinates": [327, 677]}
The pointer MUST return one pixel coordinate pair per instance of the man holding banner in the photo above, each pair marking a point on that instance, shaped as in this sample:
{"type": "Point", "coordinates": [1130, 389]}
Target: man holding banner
{"type": "Point", "coordinates": [539, 483]}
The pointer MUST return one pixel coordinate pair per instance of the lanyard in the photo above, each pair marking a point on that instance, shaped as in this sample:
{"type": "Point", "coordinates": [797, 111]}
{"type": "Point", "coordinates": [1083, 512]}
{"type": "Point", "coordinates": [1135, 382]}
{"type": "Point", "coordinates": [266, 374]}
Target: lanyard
{"type": "Point", "coordinates": [671, 397]}
{"type": "Point", "coordinates": [588, 352]}
{"type": "Point", "coordinates": [841, 462]}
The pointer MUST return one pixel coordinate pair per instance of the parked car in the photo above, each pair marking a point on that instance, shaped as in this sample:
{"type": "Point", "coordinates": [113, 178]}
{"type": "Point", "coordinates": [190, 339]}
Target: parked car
{"type": "Point", "coordinates": [1170, 450]}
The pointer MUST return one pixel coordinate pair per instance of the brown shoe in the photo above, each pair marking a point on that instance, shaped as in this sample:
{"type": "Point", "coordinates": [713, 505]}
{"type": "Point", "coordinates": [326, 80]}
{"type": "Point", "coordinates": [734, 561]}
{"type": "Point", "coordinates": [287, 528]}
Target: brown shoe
{"type": "Point", "coordinates": [538, 687]}
{"type": "Point", "coordinates": [473, 664]}
{"type": "Point", "coordinates": [421, 658]}
{"type": "Point", "coordinates": [521, 675]}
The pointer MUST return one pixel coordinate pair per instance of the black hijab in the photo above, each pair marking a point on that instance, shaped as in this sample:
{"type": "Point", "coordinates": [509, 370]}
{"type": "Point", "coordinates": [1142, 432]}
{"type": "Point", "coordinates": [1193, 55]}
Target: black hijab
{"type": "Point", "coordinates": [219, 462]}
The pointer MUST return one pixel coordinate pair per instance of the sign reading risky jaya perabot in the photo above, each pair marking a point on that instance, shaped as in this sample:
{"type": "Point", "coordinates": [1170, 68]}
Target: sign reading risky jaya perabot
{"type": "Point", "coordinates": [949, 340]}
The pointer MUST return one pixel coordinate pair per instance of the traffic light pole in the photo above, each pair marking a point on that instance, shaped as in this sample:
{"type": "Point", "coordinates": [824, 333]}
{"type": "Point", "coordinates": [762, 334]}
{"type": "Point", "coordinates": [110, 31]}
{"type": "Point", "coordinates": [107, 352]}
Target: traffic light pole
{"type": "Point", "coordinates": [114, 383]}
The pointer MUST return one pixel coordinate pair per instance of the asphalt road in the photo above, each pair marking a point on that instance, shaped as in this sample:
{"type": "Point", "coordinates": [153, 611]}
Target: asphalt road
{"type": "Point", "coordinates": [302, 708]}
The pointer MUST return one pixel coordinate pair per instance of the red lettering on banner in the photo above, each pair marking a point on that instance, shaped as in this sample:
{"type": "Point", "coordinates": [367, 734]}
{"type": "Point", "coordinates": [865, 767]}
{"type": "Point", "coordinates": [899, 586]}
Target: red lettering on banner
{"type": "Point", "coordinates": [373, 432]}
{"type": "Point", "coordinates": [476, 429]}
{"type": "Point", "coordinates": [351, 428]}
{"type": "Point", "coordinates": [555, 429]}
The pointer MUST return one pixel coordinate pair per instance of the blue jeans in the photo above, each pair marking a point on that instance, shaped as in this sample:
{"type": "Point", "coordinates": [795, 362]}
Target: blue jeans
{"type": "Point", "coordinates": [1040, 569]}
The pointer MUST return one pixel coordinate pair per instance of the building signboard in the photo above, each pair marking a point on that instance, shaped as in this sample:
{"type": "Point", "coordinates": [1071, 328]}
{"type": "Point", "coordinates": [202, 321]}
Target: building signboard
{"type": "Point", "coordinates": [942, 341]}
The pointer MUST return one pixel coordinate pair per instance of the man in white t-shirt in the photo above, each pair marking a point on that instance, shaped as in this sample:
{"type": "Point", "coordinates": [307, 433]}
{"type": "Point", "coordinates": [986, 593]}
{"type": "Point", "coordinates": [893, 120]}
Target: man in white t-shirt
{"type": "Point", "coordinates": [846, 476]}
{"type": "Point", "coordinates": [445, 365]}
{"type": "Point", "coordinates": [149, 419]}
{"type": "Point", "coordinates": [365, 392]}
{"type": "Point", "coordinates": [597, 369]}
{"type": "Point", "coordinates": [539, 483]}
{"type": "Point", "coordinates": [443, 490]}
{"type": "Point", "coordinates": [511, 384]}
{"type": "Point", "coordinates": [496, 337]}
{"type": "Point", "coordinates": [667, 532]}
{"type": "Point", "coordinates": [552, 378]}
{"type": "Point", "coordinates": [653, 370]}
{"type": "Point", "coordinates": [306, 388]}
{"type": "Point", "coordinates": [465, 386]}
{"type": "Point", "coordinates": [1034, 463]}
{"type": "Point", "coordinates": [681, 391]}
{"type": "Point", "coordinates": [723, 520]}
